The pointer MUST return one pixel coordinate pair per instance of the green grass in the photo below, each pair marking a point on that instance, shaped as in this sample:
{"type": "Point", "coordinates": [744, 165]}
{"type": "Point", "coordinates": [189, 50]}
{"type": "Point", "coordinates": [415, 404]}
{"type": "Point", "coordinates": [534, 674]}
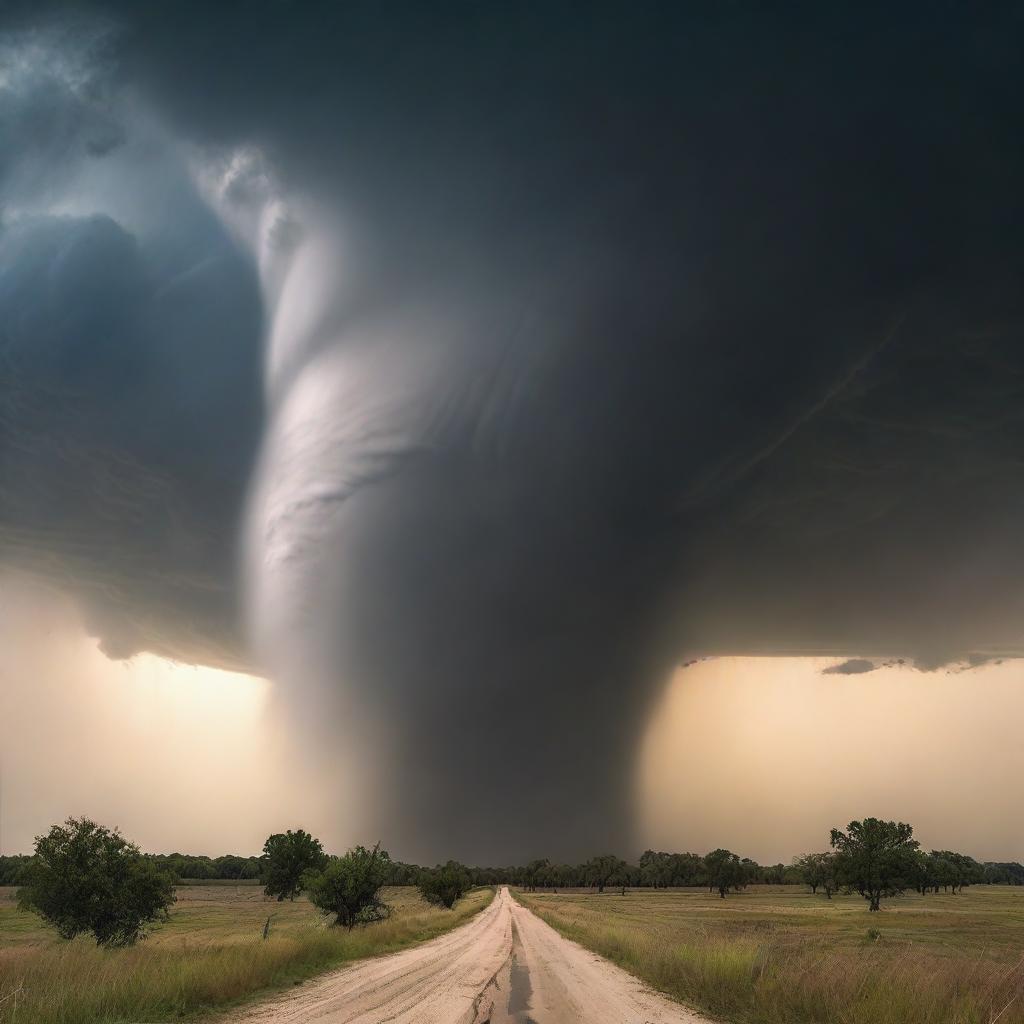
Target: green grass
{"type": "Point", "coordinates": [777, 955]}
{"type": "Point", "coordinates": [209, 955]}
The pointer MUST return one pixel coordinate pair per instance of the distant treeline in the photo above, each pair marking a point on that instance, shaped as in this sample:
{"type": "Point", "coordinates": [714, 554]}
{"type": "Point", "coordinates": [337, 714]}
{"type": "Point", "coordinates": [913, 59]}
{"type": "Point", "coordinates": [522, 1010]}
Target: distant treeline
{"type": "Point", "coordinates": [660, 870]}
{"type": "Point", "coordinates": [654, 870]}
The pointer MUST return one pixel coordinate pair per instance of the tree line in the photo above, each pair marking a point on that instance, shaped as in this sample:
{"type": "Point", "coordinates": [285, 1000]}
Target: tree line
{"type": "Point", "coordinates": [655, 869]}
{"type": "Point", "coordinates": [85, 878]}
{"type": "Point", "coordinates": [724, 871]}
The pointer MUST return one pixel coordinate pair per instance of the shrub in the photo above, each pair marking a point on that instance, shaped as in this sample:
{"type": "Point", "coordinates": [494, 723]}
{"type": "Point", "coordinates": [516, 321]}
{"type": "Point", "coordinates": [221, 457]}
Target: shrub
{"type": "Point", "coordinates": [85, 878]}
{"type": "Point", "coordinates": [349, 887]}
{"type": "Point", "coordinates": [11, 869]}
{"type": "Point", "coordinates": [446, 884]}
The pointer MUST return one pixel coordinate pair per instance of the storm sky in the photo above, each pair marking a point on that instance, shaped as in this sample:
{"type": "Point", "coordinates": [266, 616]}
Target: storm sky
{"type": "Point", "coordinates": [465, 369]}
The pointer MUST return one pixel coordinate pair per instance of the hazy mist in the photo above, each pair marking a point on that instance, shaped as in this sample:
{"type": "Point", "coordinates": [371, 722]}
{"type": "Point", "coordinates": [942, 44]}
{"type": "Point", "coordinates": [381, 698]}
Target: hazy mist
{"type": "Point", "coordinates": [181, 758]}
{"type": "Point", "coordinates": [762, 755]}
{"type": "Point", "coordinates": [765, 755]}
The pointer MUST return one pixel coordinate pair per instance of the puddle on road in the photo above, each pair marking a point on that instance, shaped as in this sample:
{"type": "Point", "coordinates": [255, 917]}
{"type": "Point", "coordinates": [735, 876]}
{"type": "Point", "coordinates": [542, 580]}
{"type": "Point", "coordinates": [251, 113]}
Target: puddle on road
{"type": "Point", "coordinates": [517, 1006]}
{"type": "Point", "coordinates": [519, 993]}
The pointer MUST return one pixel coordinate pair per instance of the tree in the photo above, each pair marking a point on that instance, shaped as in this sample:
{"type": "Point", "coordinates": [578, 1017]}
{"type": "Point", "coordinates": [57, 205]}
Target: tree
{"type": "Point", "coordinates": [85, 878]}
{"type": "Point", "coordinates": [1003, 873]}
{"type": "Point", "coordinates": [286, 858]}
{"type": "Point", "coordinates": [725, 871]}
{"type": "Point", "coordinates": [535, 873]}
{"type": "Point", "coordinates": [877, 858]}
{"type": "Point", "coordinates": [818, 870]}
{"type": "Point", "coordinates": [349, 886]}
{"type": "Point", "coordinates": [446, 884]}
{"type": "Point", "coordinates": [656, 869]}
{"type": "Point", "coordinates": [955, 870]}
{"type": "Point", "coordinates": [11, 868]}
{"type": "Point", "coordinates": [234, 867]}
{"type": "Point", "coordinates": [811, 870]}
{"type": "Point", "coordinates": [831, 881]}
{"type": "Point", "coordinates": [403, 874]}
{"type": "Point", "coordinates": [599, 871]}
{"type": "Point", "coordinates": [562, 876]}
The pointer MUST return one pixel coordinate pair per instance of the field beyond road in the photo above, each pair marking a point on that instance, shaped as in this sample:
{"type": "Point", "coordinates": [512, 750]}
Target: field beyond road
{"type": "Point", "coordinates": [778, 954]}
{"type": "Point", "coordinates": [210, 954]}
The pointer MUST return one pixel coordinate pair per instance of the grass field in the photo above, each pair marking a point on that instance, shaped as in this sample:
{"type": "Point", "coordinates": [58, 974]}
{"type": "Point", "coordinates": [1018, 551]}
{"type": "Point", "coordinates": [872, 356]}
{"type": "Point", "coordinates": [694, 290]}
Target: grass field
{"type": "Point", "coordinates": [777, 954]}
{"type": "Point", "coordinates": [210, 954]}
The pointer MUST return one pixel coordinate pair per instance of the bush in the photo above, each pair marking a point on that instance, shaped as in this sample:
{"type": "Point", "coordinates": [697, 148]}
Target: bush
{"type": "Point", "coordinates": [11, 869]}
{"type": "Point", "coordinates": [349, 887]}
{"type": "Point", "coordinates": [287, 857]}
{"type": "Point", "coordinates": [446, 884]}
{"type": "Point", "coordinates": [85, 878]}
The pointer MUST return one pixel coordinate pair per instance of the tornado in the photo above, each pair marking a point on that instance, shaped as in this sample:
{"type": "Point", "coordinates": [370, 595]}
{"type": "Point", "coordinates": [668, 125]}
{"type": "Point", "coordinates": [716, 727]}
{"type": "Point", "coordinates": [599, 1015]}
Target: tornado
{"type": "Point", "coordinates": [466, 371]}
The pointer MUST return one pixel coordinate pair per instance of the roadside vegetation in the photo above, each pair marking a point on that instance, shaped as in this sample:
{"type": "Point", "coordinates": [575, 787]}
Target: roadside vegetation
{"type": "Point", "coordinates": [89, 880]}
{"type": "Point", "coordinates": [793, 957]}
{"type": "Point", "coordinates": [350, 887]}
{"type": "Point", "coordinates": [782, 955]}
{"type": "Point", "coordinates": [209, 954]}
{"type": "Point", "coordinates": [70, 949]}
{"type": "Point", "coordinates": [445, 885]}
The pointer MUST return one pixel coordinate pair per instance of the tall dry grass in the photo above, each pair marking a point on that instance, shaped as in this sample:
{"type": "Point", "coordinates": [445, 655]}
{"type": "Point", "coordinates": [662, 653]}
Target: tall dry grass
{"type": "Point", "coordinates": [766, 975]}
{"type": "Point", "coordinates": [206, 967]}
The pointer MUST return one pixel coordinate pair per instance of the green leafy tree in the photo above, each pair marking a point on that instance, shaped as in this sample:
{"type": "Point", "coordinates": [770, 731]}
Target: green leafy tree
{"type": "Point", "coordinates": [87, 879]}
{"type": "Point", "coordinates": [1003, 873]}
{"type": "Point", "coordinates": [831, 880]}
{"type": "Point", "coordinates": [349, 887]}
{"type": "Point", "coordinates": [287, 857]}
{"type": "Point", "coordinates": [819, 871]}
{"type": "Point", "coordinates": [932, 871]}
{"type": "Point", "coordinates": [562, 876]}
{"type": "Point", "coordinates": [535, 873]}
{"type": "Point", "coordinates": [876, 858]}
{"type": "Point", "coordinates": [688, 869]}
{"type": "Point", "coordinates": [725, 871]}
{"type": "Point", "coordinates": [656, 869]}
{"type": "Point", "coordinates": [955, 870]}
{"type": "Point", "coordinates": [403, 874]}
{"type": "Point", "coordinates": [446, 884]}
{"type": "Point", "coordinates": [12, 867]}
{"type": "Point", "coordinates": [603, 870]}
{"type": "Point", "coordinates": [810, 869]}
{"type": "Point", "coordinates": [234, 867]}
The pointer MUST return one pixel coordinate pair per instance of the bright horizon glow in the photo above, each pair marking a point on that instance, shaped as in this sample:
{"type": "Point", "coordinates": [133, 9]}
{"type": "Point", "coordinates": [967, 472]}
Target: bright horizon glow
{"type": "Point", "coordinates": [762, 755]}
{"type": "Point", "coordinates": [765, 755]}
{"type": "Point", "coordinates": [179, 757]}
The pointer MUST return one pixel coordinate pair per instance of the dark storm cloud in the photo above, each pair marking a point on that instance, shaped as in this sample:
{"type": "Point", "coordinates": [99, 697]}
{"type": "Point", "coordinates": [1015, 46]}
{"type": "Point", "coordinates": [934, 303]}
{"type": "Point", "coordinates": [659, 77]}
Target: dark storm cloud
{"type": "Point", "coordinates": [850, 667]}
{"type": "Point", "coordinates": [124, 430]}
{"type": "Point", "coordinates": [129, 387]}
{"type": "Point", "coordinates": [596, 343]}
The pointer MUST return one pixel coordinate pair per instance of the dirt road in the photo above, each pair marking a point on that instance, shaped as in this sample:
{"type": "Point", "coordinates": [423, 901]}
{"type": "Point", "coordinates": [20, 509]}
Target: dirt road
{"type": "Point", "coordinates": [506, 965]}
